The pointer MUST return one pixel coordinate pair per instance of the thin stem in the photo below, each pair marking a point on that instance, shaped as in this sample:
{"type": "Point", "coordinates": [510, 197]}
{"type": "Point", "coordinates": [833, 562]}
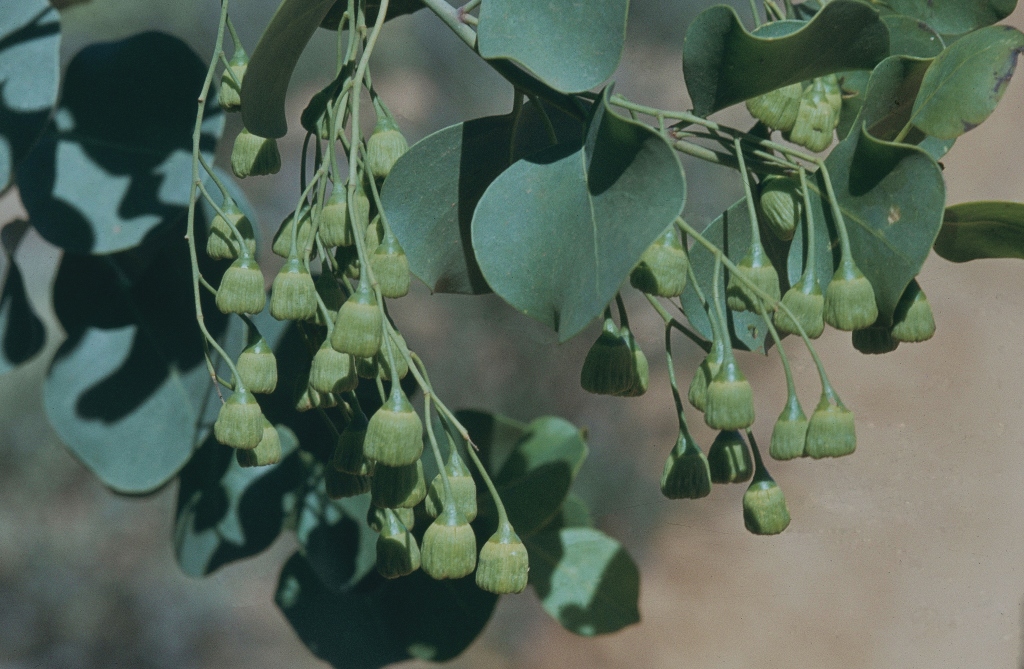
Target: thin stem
{"type": "Point", "coordinates": [755, 233]}
{"type": "Point", "coordinates": [672, 379]}
{"type": "Point", "coordinates": [623, 317]}
{"type": "Point", "coordinates": [672, 322]}
{"type": "Point", "coordinates": [228, 71]}
{"type": "Point", "coordinates": [448, 497]}
{"type": "Point", "coordinates": [715, 297]}
{"type": "Point", "coordinates": [234, 36]}
{"type": "Point", "coordinates": [243, 249]}
{"type": "Point", "coordinates": [216, 180]}
{"type": "Point", "coordinates": [790, 385]}
{"type": "Point", "coordinates": [757, 15]}
{"type": "Point", "coordinates": [451, 18]}
{"type": "Point", "coordinates": [810, 274]}
{"type": "Point", "coordinates": [491, 488]}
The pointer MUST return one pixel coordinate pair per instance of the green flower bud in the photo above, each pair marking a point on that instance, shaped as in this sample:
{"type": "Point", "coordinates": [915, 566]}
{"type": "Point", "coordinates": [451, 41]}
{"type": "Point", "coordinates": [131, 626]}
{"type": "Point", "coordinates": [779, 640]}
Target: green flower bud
{"type": "Point", "coordinates": [730, 404]}
{"type": "Point", "coordinates": [830, 433]}
{"type": "Point", "coordinates": [239, 423]}
{"type": "Point", "coordinates": [400, 352]}
{"type": "Point", "coordinates": [609, 368]}
{"type": "Point", "coordinates": [376, 517]}
{"type": "Point", "coordinates": [241, 288]}
{"type": "Point", "coordinates": [698, 392]}
{"type": "Point", "coordinates": [391, 267]}
{"type": "Point", "coordinates": [782, 205]}
{"type": "Point", "coordinates": [222, 244]}
{"type": "Point", "coordinates": [397, 552]}
{"type": "Point", "coordinates": [874, 340]}
{"type": "Point", "coordinates": [293, 295]}
{"type": "Point", "coordinates": [449, 546]}
{"type": "Point", "coordinates": [764, 508]}
{"type": "Point", "coordinates": [757, 269]}
{"type": "Point", "coordinates": [913, 320]}
{"type": "Point", "coordinates": [331, 371]}
{"type": "Point", "coordinates": [335, 227]}
{"type": "Point", "coordinates": [807, 303]}
{"type": "Point", "coordinates": [230, 93]}
{"type": "Point", "coordinates": [342, 484]}
{"type": "Point", "coordinates": [374, 235]}
{"type": "Point", "coordinates": [349, 453]}
{"type": "Point", "coordinates": [253, 155]}
{"type": "Point", "coordinates": [728, 458]}
{"type": "Point", "coordinates": [258, 367]}
{"type": "Point", "coordinates": [358, 330]}
{"type": "Point", "coordinates": [790, 432]}
{"type": "Point", "coordinates": [850, 299]}
{"type": "Point", "coordinates": [504, 565]}
{"type": "Point", "coordinates": [818, 114]}
{"type": "Point", "coordinates": [662, 268]}
{"type": "Point", "coordinates": [282, 244]}
{"type": "Point", "coordinates": [462, 485]}
{"type": "Point", "coordinates": [267, 452]}
{"type": "Point", "coordinates": [397, 487]}
{"type": "Point", "coordinates": [385, 146]}
{"type": "Point", "coordinates": [777, 109]}
{"type": "Point", "coordinates": [640, 371]}
{"type": "Point", "coordinates": [308, 398]}
{"type": "Point", "coordinates": [686, 474]}
{"type": "Point", "coordinates": [394, 436]}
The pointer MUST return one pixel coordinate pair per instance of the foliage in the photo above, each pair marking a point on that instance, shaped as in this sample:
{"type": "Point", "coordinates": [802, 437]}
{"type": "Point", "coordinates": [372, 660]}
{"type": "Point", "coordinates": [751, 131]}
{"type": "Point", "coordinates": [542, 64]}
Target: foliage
{"type": "Point", "coordinates": [551, 206]}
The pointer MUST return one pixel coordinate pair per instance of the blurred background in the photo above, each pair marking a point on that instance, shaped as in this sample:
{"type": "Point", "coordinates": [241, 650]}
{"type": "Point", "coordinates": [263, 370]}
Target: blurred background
{"type": "Point", "coordinates": [908, 553]}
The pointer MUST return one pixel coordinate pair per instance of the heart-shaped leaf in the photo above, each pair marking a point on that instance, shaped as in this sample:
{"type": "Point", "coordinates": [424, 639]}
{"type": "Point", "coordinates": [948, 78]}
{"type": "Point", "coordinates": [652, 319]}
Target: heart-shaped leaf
{"type": "Point", "coordinates": [431, 193]}
{"type": "Point", "coordinates": [975, 230]}
{"type": "Point", "coordinates": [22, 333]}
{"type": "Point", "coordinates": [572, 46]}
{"type": "Point", "coordinates": [966, 82]}
{"type": "Point", "coordinates": [724, 64]}
{"type": "Point", "coordinates": [557, 233]}
{"type": "Point", "coordinates": [955, 17]}
{"type": "Point", "coordinates": [265, 85]}
{"type": "Point", "coordinates": [29, 77]}
{"type": "Point", "coordinates": [116, 161]}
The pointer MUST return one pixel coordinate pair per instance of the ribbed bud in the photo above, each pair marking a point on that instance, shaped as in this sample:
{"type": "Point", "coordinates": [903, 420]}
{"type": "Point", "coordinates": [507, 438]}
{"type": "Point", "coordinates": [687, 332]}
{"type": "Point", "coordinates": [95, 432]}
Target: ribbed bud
{"type": "Point", "coordinates": [253, 155]}
{"type": "Point", "coordinates": [830, 432]}
{"type": "Point", "coordinates": [698, 392]}
{"type": "Point", "coordinates": [397, 552]}
{"type": "Point", "coordinates": [375, 517]}
{"type": "Point", "coordinates": [398, 487]}
{"type": "Point", "coordinates": [662, 267]}
{"type": "Point", "coordinates": [394, 436]}
{"type": "Point", "coordinates": [400, 362]}
{"type": "Point", "coordinates": [239, 423]}
{"type": "Point", "coordinates": [267, 452]}
{"type": "Point", "coordinates": [609, 368]}
{"type": "Point", "coordinates": [758, 270]}
{"type": "Point", "coordinates": [241, 288]}
{"type": "Point", "coordinates": [334, 229]}
{"type": "Point", "coordinates": [374, 235]}
{"type": "Point", "coordinates": [782, 205]}
{"type": "Point", "coordinates": [777, 109]}
{"type": "Point", "coordinates": [349, 455]}
{"type": "Point", "coordinates": [222, 244]}
{"type": "Point", "coordinates": [341, 485]}
{"type": "Point", "coordinates": [358, 328]}
{"type": "Point", "coordinates": [913, 320]}
{"type": "Point", "coordinates": [257, 366]}
{"type": "Point", "coordinates": [807, 303]}
{"type": "Point", "coordinates": [874, 340]}
{"type": "Point", "coordinates": [728, 458]}
{"type": "Point", "coordinates": [331, 371]}
{"type": "Point", "coordinates": [850, 299]}
{"type": "Point", "coordinates": [386, 145]}
{"type": "Point", "coordinates": [449, 546]}
{"type": "Point", "coordinates": [764, 508]}
{"type": "Point", "coordinates": [640, 370]}
{"type": "Point", "coordinates": [462, 485]}
{"type": "Point", "coordinates": [308, 398]}
{"type": "Point", "coordinates": [282, 244]}
{"type": "Point", "coordinates": [790, 432]}
{"type": "Point", "coordinates": [391, 267]}
{"type": "Point", "coordinates": [818, 114]}
{"type": "Point", "coordinates": [504, 565]}
{"type": "Point", "coordinates": [730, 404]}
{"type": "Point", "coordinates": [293, 295]}
{"type": "Point", "coordinates": [686, 474]}
{"type": "Point", "coordinates": [230, 93]}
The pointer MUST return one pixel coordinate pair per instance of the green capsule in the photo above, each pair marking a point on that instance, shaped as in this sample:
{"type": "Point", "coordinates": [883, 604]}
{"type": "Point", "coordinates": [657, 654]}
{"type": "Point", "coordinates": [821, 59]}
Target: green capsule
{"type": "Point", "coordinates": [394, 436]}
{"type": "Point", "coordinates": [349, 454]}
{"type": "Point", "coordinates": [764, 505]}
{"type": "Point", "coordinates": [609, 368]}
{"type": "Point", "coordinates": [850, 299]}
{"type": "Point", "coordinates": [239, 422]}
{"type": "Point", "coordinates": [730, 404]}
{"type": "Point", "coordinates": [830, 432]}
{"type": "Point", "coordinates": [374, 235]}
{"type": "Point", "coordinates": [758, 270]}
{"type": "Point", "coordinates": [504, 564]}
{"type": "Point", "coordinates": [358, 330]}
{"type": "Point", "coordinates": [790, 432]}
{"type": "Point", "coordinates": [686, 474]}
{"type": "Point", "coordinates": [398, 487]}
{"type": "Point", "coordinates": [778, 108]}
{"type": "Point", "coordinates": [449, 546]}
{"type": "Point", "coordinates": [308, 398]}
{"type": "Point", "coordinates": [342, 484]}
{"type": "Point", "coordinates": [662, 267]}
{"type": "Point", "coordinates": [706, 371]}
{"type": "Point", "coordinates": [376, 517]}
{"type": "Point", "coordinates": [913, 320]}
{"type": "Point", "coordinates": [253, 155]}
{"type": "Point", "coordinates": [818, 114]}
{"type": "Point", "coordinates": [400, 351]}
{"type": "Point", "coordinates": [874, 340]}
{"type": "Point", "coordinates": [640, 371]}
{"type": "Point", "coordinates": [282, 244]}
{"type": "Point", "coordinates": [257, 366]}
{"type": "Point", "coordinates": [807, 303]}
{"type": "Point", "coordinates": [462, 485]}
{"type": "Point", "coordinates": [293, 295]}
{"type": "Point", "coordinates": [331, 371]}
{"type": "Point", "coordinates": [241, 288]}
{"type": "Point", "coordinates": [386, 145]}
{"type": "Point", "coordinates": [391, 267]}
{"type": "Point", "coordinates": [267, 452]}
{"type": "Point", "coordinates": [230, 94]}
{"type": "Point", "coordinates": [221, 244]}
{"type": "Point", "coordinates": [335, 227]}
{"type": "Point", "coordinates": [728, 458]}
{"type": "Point", "coordinates": [782, 205]}
{"type": "Point", "coordinates": [397, 552]}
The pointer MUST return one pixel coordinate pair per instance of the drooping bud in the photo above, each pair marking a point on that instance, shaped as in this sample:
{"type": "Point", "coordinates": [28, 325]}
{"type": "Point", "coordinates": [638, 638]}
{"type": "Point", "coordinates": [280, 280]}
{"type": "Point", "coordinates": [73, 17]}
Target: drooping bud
{"type": "Point", "coordinates": [662, 267]}
{"type": "Point", "coordinates": [818, 114]}
{"type": "Point", "coordinates": [267, 452]}
{"type": "Point", "coordinates": [293, 295]}
{"type": "Point", "coordinates": [222, 244]}
{"type": "Point", "coordinates": [282, 244]}
{"type": "Point", "coordinates": [777, 109]}
{"type": "Point", "coordinates": [397, 552]}
{"type": "Point", "coordinates": [334, 228]}
{"type": "Point", "coordinates": [640, 371]}
{"type": "Point", "coordinates": [764, 505]}
{"type": "Point", "coordinates": [241, 288]}
{"type": "Point", "coordinates": [349, 454]}
{"type": "Point", "coordinates": [386, 145]}
{"type": "Point", "coordinates": [462, 485]}
{"type": "Point", "coordinates": [394, 436]}
{"type": "Point", "coordinates": [730, 404]}
{"type": "Point", "coordinates": [401, 349]}
{"type": "Point", "coordinates": [807, 303]}
{"type": "Point", "coordinates": [790, 432]}
{"type": "Point", "coordinates": [756, 268]}
{"type": "Point", "coordinates": [230, 94]}
{"type": "Point", "coordinates": [504, 565]}
{"type": "Point", "coordinates": [239, 423]}
{"type": "Point", "coordinates": [449, 546]}
{"type": "Point", "coordinates": [609, 368]}
{"type": "Point", "coordinates": [782, 205]}
{"type": "Point", "coordinates": [374, 235]}
{"type": "Point", "coordinates": [342, 484]}
{"type": "Point", "coordinates": [258, 367]}
{"type": "Point", "coordinates": [728, 458]}
{"type": "Point", "coordinates": [253, 155]}
{"type": "Point", "coordinates": [850, 299]}
{"type": "Point", "coordinates": [913, 320]}
{"type": "Point", "coordinates": [398, 487]}
{"type": "Point", "coordinates": [331, 371]}
{"type": "Point", "coordinates": [375, 517]}
{"type": "Point", "coordinates": [875, 339]}
{"type": "Point", "coordinates": [830, 432]}
{"type": "Point", "coordinates": [358, 330]}
{"type": "Point", "coordinates": [706, 371]}
{"type": "Point", "coordinates": [391, 267]}
{"type": "Point", "coordinates": [686, 474]}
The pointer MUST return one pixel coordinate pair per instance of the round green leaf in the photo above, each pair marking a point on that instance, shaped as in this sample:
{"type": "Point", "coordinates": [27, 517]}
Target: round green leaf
{"type": "Point", "coordinates": [557, 233]}
{"type": "Point", "coordinates": [572, 46]}
{"type": "Point", "coordinates": [975, 230]}
{"type": "Point", "coordinates": [265, 85]}
{"type": "Point", "coordinates": [954, 17]}
{"type": "Point", "coordinates": [116, 161]}
{"type": "Point", "coordinates": [29, 77]}
{"type": "Point", "coordinates": [966, 81]}
{"type": "Point", "coordinates": [911, 37]}
{"type": "Point", "coordinates": [724, 64]}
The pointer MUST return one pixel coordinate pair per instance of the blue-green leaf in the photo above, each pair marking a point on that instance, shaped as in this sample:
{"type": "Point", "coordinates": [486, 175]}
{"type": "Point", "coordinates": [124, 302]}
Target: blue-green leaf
{"type": "Point", "coordinates": [974, 230]}
{"type": "Point", "coordinates": [955, 17]}
{"type": "Point", "coordinates": [22, 333]}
